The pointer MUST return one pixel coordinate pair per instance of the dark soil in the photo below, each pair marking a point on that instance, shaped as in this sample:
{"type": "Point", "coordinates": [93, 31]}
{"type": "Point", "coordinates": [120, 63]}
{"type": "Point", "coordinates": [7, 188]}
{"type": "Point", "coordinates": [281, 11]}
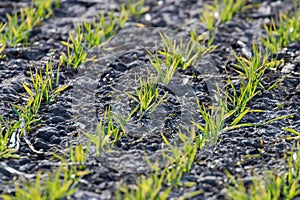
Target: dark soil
{"type": "Point", "coordinates": [245, 152]}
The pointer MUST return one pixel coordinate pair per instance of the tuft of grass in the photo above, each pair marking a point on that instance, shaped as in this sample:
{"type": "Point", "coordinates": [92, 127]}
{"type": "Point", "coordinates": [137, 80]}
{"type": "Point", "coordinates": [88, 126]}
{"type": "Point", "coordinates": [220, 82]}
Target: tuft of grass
{"type": "Point", "coordinates": [17, 32]}
{"type": "Point", "coordinates": [162, 66]}
{"type": "Point", "coordinates": [43, 10]}
{"type": "Point", "coordinates": [5, 132]}
{"type": "Point", "coordinates": [93, 33]}
{"type": "Point", "coordinates": [229, 8]}
{"type": "Point", "coordinates": [146, 96]}
{"type": "Point", "coordinates": [107, 132]}
{"type": "Point", "coordinates": [215, 116]}
{"type": "Point", "coordinates": [52, 188]}
{"type": "Point", "coordinates": [76, 52]}
{"type": "Point", "coordinates": [75, 159]}
{"type": "Point", "coordinates": [280, 34]}
{"type": "Point", "coordinates": [251, 72]}
{"type": "Point", "coordinates": [158, 185]}
{"type": "Point", "coordinates": [135, 8]}
{"type": "Point", "coordinates": [110, 27]}
{"type": "Point", "coordinates": [174, 55]}
{"type": "Point", "coordinates": [20, 24]}
{"type": "Point", "coordinates": [43, 88]}
{"type": "Point", "coordinates": [47, 85]}
{"type": "Point", "coordinates": [147, 188]}
{"type": "Point", "coordinates": [183, 55]}
{"type": "Point", "coordinates": [209, 17]}
{"type": "Point", "coordinates": [205, 40]}
{"type": "Point", "coordinates": [217, 13]}
{"type": "Point", "coordinates": [180, 157]}
{"type": "Point", "coordinates": [89, 35]}
{"type": "Point", "coordinates": [152, 187]}
{"type": "Point", "coordinates": [97, 32]}
{"type": "Point", "coordinates": [273, 186]}
{"type": "Point", "coordinates": [28, 115]}
{"type": "Point", "coordinates": [214, 122]}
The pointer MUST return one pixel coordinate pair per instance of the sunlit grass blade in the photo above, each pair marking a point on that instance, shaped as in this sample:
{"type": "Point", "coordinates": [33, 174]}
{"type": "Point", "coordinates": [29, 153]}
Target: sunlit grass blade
{"type": "Point", "coordinates": [296, 133]}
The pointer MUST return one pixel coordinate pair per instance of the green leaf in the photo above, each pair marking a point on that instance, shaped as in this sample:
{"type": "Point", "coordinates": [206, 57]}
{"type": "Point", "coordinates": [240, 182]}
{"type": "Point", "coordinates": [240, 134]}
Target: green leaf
{"type": "Point", "coordinates": [292, 131]}
{"type": "Point", "coordinates": [165, 194]}
{"type": "Point", "coordinates": [66, 44]}
{"type": "Point", "coordinates": [60, 89]}
{"type": "Point", "coordinates": [28, 90]}
{"type": "Point", "coordinates": [240, 117]}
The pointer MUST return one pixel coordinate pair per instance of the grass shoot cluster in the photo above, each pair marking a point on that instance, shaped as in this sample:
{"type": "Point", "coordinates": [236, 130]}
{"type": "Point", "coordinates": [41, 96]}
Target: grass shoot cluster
{"type": "Point", "coordinates": [217, 13]}
{"type": "Point", "coordinates": [174, 56]}
{"type": "Point", "coordinates": [146, 96]}
{"type": "Point", "coordinates": [179, 160]}
{"type": "Point", "coordinates": [286, 31]}
{"type": "Point", "coordinates": [89, 35]}
{"type": "Point", "coordinates": [51, 188]}
{"type": "Point", "coordinates": [251, 72]}
{"type": "Point", "coordinates": [43, 87]}
{"type": "Point", "coordinates": [274, 185]}
{"type": "Point", "coordinates": [109, 131]}
{"type": "Point", "coordinates": [18, 26]}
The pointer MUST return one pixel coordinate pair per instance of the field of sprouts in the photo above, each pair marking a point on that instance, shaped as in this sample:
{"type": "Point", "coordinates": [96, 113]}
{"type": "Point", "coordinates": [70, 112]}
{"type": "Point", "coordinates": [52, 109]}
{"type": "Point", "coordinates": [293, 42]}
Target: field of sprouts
{"type": "Point", "coordinates": [146, 99]}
